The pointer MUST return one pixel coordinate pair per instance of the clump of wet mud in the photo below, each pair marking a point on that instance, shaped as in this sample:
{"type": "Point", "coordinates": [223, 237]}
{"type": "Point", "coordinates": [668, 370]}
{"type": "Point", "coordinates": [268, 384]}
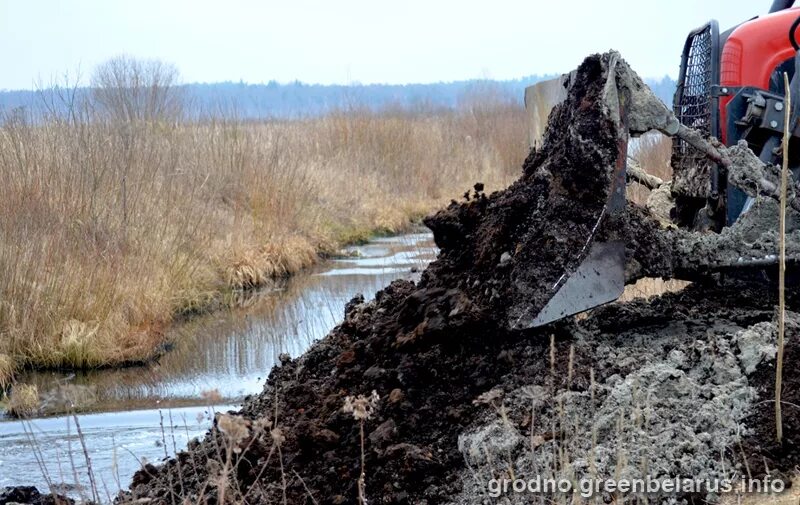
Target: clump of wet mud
{"type": "Point", "coordinates": [442, 359]}
{"type": "Point", "coordinates": [497, 247]}
{"type": "Point", "coordinates": [760, 448]}
{"type": "Point", "coordinates": [30, 495]}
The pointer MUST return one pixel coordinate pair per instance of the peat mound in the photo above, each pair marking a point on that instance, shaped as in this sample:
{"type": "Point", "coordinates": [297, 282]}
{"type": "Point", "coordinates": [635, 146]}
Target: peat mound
{"type": "Point", "coordinates": [441, 358]}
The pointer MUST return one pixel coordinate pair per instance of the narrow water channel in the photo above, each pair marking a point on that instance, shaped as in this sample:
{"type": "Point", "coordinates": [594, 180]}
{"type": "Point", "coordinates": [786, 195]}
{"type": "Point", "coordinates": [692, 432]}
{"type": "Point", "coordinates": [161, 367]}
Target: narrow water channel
{"type": "Point", "coordinates": [146, 413]}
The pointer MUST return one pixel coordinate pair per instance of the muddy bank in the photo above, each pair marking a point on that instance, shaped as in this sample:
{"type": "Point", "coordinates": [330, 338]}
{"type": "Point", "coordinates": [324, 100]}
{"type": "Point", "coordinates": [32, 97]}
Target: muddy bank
{"type": "Point", "coordinates": [30, 495]}
{"type": "Point", "coordinates": [239, 347]}
{"type": "Point", "coordinates": [678, 386]}
{"type": "Point", "coordinates": [241, 342]}
{"type": "Point", "coordinates": [685, 371]}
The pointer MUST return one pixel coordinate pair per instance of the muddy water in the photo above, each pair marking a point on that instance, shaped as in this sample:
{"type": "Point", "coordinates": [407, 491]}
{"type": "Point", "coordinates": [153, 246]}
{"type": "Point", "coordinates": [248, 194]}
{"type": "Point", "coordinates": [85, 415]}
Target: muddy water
{"type": "Point", "coordinates": [217, 360]}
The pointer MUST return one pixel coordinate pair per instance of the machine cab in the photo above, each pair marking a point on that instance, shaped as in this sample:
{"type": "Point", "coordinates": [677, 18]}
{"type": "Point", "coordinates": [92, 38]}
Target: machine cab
{"type": "Point", "coordinates": [731, 87]}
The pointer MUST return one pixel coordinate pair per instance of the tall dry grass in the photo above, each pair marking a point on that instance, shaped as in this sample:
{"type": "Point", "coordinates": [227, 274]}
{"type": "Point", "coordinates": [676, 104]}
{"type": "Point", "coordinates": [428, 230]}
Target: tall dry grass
{"type": "Point", "coordinates": [117, 214]}
{"type": "Point", "coordinates": [653, 151]}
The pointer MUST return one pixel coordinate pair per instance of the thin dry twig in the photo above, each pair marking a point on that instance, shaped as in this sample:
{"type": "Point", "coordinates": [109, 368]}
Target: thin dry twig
{"type": "Point", "coordinates": [782, 266]}
{"type": "Point", "coordinates": [362, 408]}
{"type": "Point", "coordinates": [89, 471]}
{"type": "Point", "coordinates": [308, 491]}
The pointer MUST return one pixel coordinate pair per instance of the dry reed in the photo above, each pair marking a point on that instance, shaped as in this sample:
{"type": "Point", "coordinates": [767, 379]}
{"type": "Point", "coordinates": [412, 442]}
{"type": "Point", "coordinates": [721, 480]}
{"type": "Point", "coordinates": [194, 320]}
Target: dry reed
{"type": "Point", "coordinates": [653, 152]}
{"type": "Point", "coordinates": [117, 213]}
{"type": "Point", "coordinates": [782, 265]}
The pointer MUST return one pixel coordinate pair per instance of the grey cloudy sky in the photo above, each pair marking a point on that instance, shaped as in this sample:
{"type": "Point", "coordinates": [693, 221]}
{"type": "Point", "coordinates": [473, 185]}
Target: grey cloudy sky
{"type": "Point", "coordinates": [346, 41]}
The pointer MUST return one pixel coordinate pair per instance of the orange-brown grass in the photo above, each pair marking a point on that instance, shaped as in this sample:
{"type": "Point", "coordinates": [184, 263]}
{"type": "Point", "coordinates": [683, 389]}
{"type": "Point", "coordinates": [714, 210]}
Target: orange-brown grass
{"type": "Point", "coordinates": [111, 224]}
{"type": "Point", "coordinates": [23, 401]}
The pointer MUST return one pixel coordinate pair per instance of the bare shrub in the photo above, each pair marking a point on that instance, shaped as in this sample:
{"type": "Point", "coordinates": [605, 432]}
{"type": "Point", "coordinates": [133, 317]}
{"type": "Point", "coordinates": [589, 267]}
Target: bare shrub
{"type": "Point", "coordinates": [128, 89]}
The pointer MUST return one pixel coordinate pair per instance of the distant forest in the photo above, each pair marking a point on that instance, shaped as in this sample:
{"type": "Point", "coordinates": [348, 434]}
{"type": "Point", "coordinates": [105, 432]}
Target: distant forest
{"type": "Point", "coordinates": [296, 100]}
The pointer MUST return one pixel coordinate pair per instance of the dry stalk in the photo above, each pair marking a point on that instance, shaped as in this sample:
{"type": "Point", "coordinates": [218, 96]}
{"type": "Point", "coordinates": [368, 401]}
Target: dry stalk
{"type": "Point", "coordinates": [362, 477]}
{"type": "Point", "coordinates": [593, 459]}
{"type": "Point", "coordinates": [278, 437]}
{"type": "Point", "coordinates": [27, 427]}
{"type": "Point", "coordinates": [553, 394]}
{"type": "Point", "coordinates": [362, 408]}
{"type": "Point", "coordinates": [89, 471]}
{"type": "Point", "coordinates": [172, 428]}
{"type": "Point", "coordinates": [115, 462]}
{"type": "Point", "coordinates": [571, 366]}
{"type": "Point", "coordinates": [621, 462]}
{"type": "Point", "coordinates": [261, 471]}
{"type": "Point", "coordinates": [782, 266]}
{"type": "Point", "coordinates": [166, 452]}
{"type": "Point", "coordinates": [308, 491]}
{"type": "Point", "coordinates": [503, 414]}
{"type": "Point", "coordinates": [744, 456]}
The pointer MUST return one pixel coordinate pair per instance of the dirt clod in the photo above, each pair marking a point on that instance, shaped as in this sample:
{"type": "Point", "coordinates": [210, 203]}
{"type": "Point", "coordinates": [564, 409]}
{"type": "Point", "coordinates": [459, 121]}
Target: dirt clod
{"type": "Point", "coordinates": [30, 495]}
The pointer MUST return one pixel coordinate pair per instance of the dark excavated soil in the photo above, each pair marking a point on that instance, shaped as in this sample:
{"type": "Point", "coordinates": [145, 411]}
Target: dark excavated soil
{"type": "Point", "coordinates": [763, 452]}
{"type": "Point", "coordinates": [542, 220]}
{"type": "Point", "coordinates": [30, 495]}
{"type": "Point", "coordinates": [430, 349]}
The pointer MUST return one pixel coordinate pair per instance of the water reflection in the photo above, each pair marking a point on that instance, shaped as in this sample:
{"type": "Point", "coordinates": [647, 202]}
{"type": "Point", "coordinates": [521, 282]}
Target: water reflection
{"type": "Point", "coordinates": [48, 452]}
{"type": "Point", "coordinates": [232, 352]}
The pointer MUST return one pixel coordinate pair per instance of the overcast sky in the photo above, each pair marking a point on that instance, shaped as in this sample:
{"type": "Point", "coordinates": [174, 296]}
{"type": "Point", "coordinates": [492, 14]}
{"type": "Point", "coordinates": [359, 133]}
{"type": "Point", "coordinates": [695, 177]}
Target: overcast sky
{"type": "Point", "coordinates": [346, 41]}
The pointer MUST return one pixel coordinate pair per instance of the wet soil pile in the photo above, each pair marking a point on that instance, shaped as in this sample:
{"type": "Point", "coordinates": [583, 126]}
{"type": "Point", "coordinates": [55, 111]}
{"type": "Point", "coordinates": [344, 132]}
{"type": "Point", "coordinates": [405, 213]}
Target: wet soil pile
{"type": "Point", "coordinates": [506, 252]}
{"type": "Point", "coordinates": [31, 495]}
{"type": "Point", "coordinates": [760, 448]}
{"type": "Point", "coordinates": [441, 357]}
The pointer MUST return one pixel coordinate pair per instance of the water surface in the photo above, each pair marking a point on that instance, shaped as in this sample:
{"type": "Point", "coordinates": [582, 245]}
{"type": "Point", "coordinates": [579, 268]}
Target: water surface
{"type": "Point", "coordinates": [218, 359]}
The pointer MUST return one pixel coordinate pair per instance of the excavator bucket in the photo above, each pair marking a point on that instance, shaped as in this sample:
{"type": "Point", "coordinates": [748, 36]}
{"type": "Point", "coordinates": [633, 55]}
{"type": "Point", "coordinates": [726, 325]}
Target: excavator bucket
{"type": "Point", "coordinates": [597, 273]}
{"type": "Point", "coordinates": [599, 279]}
{"type": "Point", "coordinates": [540, 99]}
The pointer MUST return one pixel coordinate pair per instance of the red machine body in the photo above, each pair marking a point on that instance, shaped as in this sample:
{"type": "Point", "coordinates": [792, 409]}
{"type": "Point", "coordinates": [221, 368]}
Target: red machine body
{"type": "Point", "coordinates": [753, 53]}
{"type": "Point", "coordinates": [731, 87]}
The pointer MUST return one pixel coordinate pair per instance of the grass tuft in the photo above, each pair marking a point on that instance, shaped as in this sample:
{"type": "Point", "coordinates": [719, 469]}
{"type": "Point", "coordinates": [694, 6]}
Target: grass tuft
{"type": "Point", "coordinates": [7, 367]}
{"type": "Point", "coordinates": [23, 400]}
